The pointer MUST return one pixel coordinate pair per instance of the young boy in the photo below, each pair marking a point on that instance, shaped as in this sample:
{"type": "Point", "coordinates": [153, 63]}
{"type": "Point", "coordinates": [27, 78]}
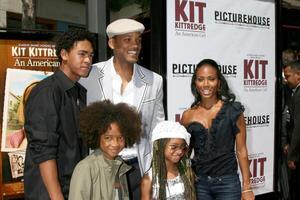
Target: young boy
{"type": "Point", "coordinates": [108, 128]}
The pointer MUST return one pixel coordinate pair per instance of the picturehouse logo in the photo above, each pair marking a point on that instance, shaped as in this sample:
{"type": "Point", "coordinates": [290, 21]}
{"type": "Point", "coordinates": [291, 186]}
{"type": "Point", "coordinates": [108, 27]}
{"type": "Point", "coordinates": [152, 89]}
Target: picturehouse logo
{"type": "Point", "coordinates": [189, 18]}
{"type": "Point", "coordinates": [188, 69]}
{"type": "Point", "coordinates": [242, 19]}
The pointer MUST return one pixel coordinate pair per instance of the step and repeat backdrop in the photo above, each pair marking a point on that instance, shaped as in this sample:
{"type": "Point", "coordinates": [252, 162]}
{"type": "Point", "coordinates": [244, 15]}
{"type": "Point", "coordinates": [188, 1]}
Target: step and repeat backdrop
{"type": "Point", "coordinates": [240, 36]}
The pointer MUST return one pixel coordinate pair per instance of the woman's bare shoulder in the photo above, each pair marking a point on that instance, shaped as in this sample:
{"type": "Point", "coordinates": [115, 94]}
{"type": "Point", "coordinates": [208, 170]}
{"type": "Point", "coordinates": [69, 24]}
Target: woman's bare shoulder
{"type": "Point", "coordinates": [187, 116]}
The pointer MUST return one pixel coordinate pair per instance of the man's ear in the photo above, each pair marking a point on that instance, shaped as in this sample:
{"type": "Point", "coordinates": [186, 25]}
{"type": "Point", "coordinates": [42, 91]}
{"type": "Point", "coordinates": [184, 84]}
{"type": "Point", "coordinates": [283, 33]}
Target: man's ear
{"type": "Point", "coordinates": [111, 43]}
{"type": "Point", "coordinates": [298, 74]}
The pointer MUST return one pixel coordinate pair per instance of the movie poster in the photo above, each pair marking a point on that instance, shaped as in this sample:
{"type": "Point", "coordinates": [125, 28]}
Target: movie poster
{"type": "Point", "coordinates": [23, 63]}
{"type": "Point", "coordinates": [17, 88]}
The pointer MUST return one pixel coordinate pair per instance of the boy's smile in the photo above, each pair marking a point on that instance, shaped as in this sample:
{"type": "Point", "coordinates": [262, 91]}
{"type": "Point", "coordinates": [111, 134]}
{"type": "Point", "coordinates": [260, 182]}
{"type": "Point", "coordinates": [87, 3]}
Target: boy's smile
{"type": "Point", "coordinates": [112, 142]}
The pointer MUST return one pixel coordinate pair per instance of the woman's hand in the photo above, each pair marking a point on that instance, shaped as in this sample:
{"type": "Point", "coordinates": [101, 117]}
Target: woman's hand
{"type": "Point", "coordinates": [248, 195]}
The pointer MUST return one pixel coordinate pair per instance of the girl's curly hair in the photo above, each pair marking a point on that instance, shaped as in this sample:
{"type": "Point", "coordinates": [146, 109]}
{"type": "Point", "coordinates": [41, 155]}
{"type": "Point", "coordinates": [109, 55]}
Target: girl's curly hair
{"type": "Point", "coordinates": [96, 118]}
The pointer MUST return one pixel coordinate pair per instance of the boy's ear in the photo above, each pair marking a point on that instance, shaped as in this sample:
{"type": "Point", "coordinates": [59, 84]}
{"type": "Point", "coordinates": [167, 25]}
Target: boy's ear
{"type": "Point", "coordinates": [64, 54]}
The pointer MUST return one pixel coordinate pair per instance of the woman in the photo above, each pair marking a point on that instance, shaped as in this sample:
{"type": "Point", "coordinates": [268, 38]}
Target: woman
{"type": "Point", "coordinates": [216, 124]}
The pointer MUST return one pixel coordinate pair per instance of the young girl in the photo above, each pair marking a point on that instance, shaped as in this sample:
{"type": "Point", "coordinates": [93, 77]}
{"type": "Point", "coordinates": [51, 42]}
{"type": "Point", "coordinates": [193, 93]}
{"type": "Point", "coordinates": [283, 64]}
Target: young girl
{"type": "Point", "coordinates": [170, 176]}
{"type": "Point", "coordinates": [102, 175]}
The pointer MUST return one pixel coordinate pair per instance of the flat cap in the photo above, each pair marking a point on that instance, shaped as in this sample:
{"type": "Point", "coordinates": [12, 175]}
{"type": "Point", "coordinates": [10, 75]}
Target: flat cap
{"type": "Point", "coordinates": [123, 26]}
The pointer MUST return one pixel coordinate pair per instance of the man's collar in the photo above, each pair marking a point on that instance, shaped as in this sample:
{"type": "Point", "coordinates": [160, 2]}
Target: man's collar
{"type": "Point", "coordinates": [294, 90]}
{"type": "Point", "coordinates": [66, 82]}
{"type": "Point", "coordinates": [114, 72]}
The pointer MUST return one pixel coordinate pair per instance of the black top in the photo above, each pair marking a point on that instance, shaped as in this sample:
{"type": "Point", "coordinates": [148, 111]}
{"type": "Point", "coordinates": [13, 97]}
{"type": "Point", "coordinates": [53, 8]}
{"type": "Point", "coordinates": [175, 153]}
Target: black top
{"type": "Point", "coordinates": [52, 130]}
{"type": "Point", "coordinates": [214, 153]}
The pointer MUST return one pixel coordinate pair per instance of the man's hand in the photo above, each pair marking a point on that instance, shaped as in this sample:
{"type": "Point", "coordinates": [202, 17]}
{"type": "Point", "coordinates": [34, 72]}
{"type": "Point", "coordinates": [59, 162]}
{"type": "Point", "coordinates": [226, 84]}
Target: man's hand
{"type": "Point", "coordinates": [291, 165]}
{"type": "Point", "coordinates": [286, 149]}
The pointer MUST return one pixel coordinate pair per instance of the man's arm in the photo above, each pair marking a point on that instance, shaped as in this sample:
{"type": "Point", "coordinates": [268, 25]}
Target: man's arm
{"type": "Point", "coordinates": [41, 122]}
{"type": "Point", "coordinates": [159, 113]}
{"type": "Point", "coordinates": [48, 170]}
{"type": "Point", "coordinates": [293, 154]}
{"type": "Point", "coordinates": [284, 134]}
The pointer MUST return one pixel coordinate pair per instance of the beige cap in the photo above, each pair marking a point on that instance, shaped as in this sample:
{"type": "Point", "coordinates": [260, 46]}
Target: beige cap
{"type": "Point", "coordinates": [123, 26]}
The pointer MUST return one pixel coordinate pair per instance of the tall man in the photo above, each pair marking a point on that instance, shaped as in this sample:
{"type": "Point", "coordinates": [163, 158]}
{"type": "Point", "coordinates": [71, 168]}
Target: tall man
{"type": "Point", "coordinates": [288, 56]}
{"type": "Point", "coordinates": [51, 120]}
{"type": "Point", "coordinates": [120, 79]}
{"type": "Point", "coordinates": [292, 75]}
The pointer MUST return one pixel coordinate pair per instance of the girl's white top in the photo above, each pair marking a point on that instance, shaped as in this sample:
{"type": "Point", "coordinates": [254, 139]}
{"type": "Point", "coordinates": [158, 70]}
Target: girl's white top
{"type": "Point", "coordinates": [174, 188]}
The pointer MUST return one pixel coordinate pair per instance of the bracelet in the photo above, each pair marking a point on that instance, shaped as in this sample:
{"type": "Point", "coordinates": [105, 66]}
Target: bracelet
{"type": "Point", "coordinates": [247, 191]}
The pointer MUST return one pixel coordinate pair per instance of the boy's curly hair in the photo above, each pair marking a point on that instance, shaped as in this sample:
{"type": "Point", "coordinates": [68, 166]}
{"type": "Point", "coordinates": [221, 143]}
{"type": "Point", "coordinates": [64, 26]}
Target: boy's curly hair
{"type": "Point", "coordinates": [96, 118]}
{"type": "Point", "coordinates": [68, 39]}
